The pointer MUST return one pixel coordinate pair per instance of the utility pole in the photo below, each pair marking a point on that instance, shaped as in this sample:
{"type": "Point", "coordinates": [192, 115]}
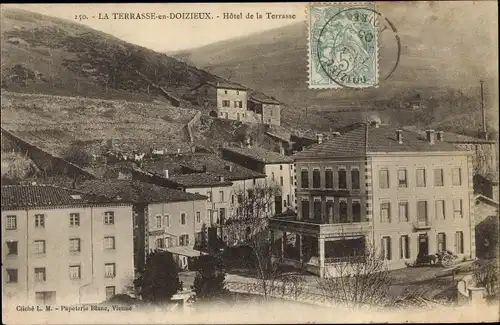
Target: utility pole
{"type": "Point", "coordinates": [485, 134]}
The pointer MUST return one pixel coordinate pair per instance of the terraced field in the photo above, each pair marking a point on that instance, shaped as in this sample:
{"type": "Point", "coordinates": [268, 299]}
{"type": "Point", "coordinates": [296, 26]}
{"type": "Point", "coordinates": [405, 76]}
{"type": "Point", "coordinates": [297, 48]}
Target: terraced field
{"type": "Point", "coordinates": [55, 122]}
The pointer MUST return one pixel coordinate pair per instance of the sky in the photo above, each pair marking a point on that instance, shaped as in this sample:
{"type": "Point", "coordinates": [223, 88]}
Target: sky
{"type": "Point", "coordinates": [174, 35]}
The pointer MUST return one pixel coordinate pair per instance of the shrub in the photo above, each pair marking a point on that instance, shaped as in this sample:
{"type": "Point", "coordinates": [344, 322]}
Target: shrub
{"type": "Point", "coordinates": [159, 280]}
{"type": "Point", "coordinates": [209, 281]}
{"type": "Point", "coordinates": [485, 274]}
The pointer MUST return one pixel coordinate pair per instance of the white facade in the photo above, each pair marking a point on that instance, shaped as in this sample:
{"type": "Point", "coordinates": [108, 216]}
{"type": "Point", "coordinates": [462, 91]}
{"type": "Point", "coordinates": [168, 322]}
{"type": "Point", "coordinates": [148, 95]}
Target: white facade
{"type": "Point", "coordinates": [438, 214]}
{"type": "Point", "coordinates": [65, 261]}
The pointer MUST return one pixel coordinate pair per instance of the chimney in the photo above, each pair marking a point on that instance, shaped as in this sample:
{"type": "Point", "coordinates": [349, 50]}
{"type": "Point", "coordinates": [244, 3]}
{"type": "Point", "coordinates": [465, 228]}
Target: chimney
{"type": "Point", "coordinates": [221, 179]}
{"type": "Point", "coordinates": [399, 136]}
{"type": "Point", "coordinates": [282, 149]}
{"type": "Point", "coordinates": [165, 173]}
{"type": "Point", "coordinates": [218, 84]}
{"type": "Point", "coordinates": [430, 136]}
{"type": "Point", "coordinates": [204, 168]}
{"type": "Point", "coordinates": [440, 136]}
{"type": "Point", "coordinates": [229, 168]}
{"type": "Point", "coordinates": [319, 138]}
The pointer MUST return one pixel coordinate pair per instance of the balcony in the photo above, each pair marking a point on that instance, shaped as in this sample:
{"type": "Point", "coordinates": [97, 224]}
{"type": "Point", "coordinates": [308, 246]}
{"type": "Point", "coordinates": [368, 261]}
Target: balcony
{"type": "Point", "coordinates": [330, 191]}
{"type": "Point", "coordinates": [421, 225]}
{"type": "Point", "coordinates": [326, 230]}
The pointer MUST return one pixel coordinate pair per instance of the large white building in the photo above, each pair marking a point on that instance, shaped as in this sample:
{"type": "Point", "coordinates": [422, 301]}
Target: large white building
{"type": "Point", "coordinates": [62, 246]}
{"type": "Point", "coordinates": [399, 192]}
{"type": "Point", "coordinates": [277, 167]}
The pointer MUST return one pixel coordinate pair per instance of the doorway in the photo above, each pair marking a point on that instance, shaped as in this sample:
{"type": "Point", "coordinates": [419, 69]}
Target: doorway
{"type": "Point", "coordinates": [277, 205]}
{"type": "Point", "coordinates": [423, 245]}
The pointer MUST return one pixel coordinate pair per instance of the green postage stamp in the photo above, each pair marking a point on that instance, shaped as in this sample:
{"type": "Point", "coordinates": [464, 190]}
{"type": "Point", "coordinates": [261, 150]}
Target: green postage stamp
{"type": "Point", "coordinates": [343, 45]}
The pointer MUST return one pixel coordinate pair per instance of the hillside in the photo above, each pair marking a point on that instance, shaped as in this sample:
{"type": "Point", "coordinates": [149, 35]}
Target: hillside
{"type": "Point", "coordinates": [437, 64]}
{"type": "Point", "coordinates": [55, 122]}
{"type": "Point", "coordinates": [43, 54]}
{"type": "Point", "coordinates": [64, 83]}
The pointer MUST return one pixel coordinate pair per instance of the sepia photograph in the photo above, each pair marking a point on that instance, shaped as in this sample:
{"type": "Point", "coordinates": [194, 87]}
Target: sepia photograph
{"type": "Point", "coordinates": [229, 163]}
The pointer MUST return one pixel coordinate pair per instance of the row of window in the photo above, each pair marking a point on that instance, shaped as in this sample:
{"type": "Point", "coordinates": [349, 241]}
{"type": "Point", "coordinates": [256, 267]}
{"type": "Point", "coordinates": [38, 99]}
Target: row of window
{"type": "Point", "coordinates": [405, 250]}
{"type": "Point", "coordinates": [40, 273]}
{"type": "Point", "coordinates": [330, 204]}
{"type": "Point", "coordinates": [41, 245]}
{"type": "Point", "coordinates": [237, 103]}
{"type": "Point", "coordinates": [328, 178]}
{"type": "Point", "coordinates": [420, 177]}
{"type": "Point", "coordinates": [74, 220]}
{"type": "Point", "coordinates": [422, 210]}
{"type": "Point", "coordinates": [168, 241]}
{"type": "Point", "coordinates": [164, 221]}
{"type": "Point", "coordinates": [216, 216]}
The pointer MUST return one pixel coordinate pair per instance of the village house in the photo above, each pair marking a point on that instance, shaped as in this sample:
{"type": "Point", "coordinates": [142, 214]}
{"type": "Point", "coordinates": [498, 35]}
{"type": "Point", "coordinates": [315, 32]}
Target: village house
{"type": "Point", "coordinates": [395, 191]}
{"type": "Point", "coordinates": [227, 100]}
{"type": "Point", "coordinates": [164, 218]}
{"type": "Point", "coordinates": [221, 182]}
{"type": "Point", "coordinates": [267, 110]}
{"type": "Point", "coordinates": [232, 101]}
{"type": "Point", "coordinates": [486, 217]}
{"type": "Point", "coordinates": [278, 169]}
{"type": "Point", "coordinates": [63, 246]}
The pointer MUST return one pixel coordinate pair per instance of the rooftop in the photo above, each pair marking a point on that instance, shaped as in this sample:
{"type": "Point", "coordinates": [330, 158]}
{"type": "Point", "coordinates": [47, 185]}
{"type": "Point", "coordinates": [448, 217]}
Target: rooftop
{"type": "Point", "coordinates": [454, 137]}
{"type": "Point", "coordinates": [33, 196]}
{"type": "Point", "coordinates": [261, 155]}
{"type": "Point", "coordinates": [363, 139]}
{"type": "Point", "coordinates": [259, 97]}
{"type": "Point", "coordinates": [136, 192]}
{"type": "Point", "coordinates": [226, 85]}
{"type": "Point", "coordinates": [199, 179]}
{"type": "Point", "coordinates": [201, 163]}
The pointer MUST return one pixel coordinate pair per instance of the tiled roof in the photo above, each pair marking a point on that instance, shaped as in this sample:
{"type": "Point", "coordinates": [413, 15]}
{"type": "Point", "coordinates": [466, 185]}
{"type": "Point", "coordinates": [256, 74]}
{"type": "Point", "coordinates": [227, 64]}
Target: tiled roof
{"type": "Point", "coordinates": [460, 138]}
{"type": "Point", "coordinates": [365, 139]}
{"type": "Point", "coordinates": [199, 179]}
{"type": "Point", "coordinates": [259, 97]}
{"type": "Point", "coordinates": [261, 154]}
{"type": "Point", "coordinates": [201, 163]}
{"type": "Point", "coordinates": [452, 137]}
{"type": "Point", "coordinates": [226, 85]}
{"type": "Point", "coordinates": [32, 196]}
{"type": "Point", "coordinates": [136, 192]}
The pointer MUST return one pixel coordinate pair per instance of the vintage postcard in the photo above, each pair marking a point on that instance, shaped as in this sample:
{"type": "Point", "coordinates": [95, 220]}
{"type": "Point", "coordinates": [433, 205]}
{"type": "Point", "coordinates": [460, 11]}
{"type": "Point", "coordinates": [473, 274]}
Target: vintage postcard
{"type": "Point", "coordinates": [220, 163]}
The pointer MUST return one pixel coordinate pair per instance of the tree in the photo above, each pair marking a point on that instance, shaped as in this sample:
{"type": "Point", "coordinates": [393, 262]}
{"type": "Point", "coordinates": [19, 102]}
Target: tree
{"type": "Point", "coordinates": [159, 280]}
{"type": "Point", "coordinates": [360, 280]}
{"type": "Point", "coordinates": [77, 155]}
{"type": "Point", "coordinates": [229, 74]}
{"type": "Point", "coordinates": [209, 280]}
{"type": "Point", "coordinates": [248, 227]}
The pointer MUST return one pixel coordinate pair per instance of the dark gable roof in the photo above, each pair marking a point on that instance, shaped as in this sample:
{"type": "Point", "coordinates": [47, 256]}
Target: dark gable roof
{"type": "Point", "coordinates": [261, 98]}
{"type": "Point", "coordinates": [364, 139]}
{"type": "Point", "coordinates": [226, 85]}
{"type": "Point", "coordinates": [199, 180]}
{"type": "Point", "coordinates": [261, 155]}
{"type": "Point", "coordinates": [137, 192]}
{"type": "Point", "coordinates": [197, 162]}
{"type": "Point", "coordinates": [33, 196]}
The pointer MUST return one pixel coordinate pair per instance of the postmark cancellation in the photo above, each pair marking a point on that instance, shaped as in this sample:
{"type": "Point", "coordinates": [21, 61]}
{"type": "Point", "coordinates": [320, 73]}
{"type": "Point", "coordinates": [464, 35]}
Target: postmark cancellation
{"type": "Point", "coordinates": [342, 45]}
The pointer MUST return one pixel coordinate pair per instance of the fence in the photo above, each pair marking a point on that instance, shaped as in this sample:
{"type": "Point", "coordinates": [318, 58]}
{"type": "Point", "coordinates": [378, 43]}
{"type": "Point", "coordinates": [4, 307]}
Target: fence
{"type": "Point", "coordinates": [286, 291]}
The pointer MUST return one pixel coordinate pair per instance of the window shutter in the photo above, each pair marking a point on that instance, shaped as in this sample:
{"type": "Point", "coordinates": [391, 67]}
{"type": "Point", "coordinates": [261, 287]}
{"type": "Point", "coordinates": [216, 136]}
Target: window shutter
{"type": "Point", "coordinates": [401, 247]}
{"type": "Point", "coordinates": [389, 252]}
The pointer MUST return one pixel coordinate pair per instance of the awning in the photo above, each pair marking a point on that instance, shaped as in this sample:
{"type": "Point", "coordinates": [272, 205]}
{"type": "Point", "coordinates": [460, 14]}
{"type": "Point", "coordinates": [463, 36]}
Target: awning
{"type": "Point", "coordinates": [184, 251]}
